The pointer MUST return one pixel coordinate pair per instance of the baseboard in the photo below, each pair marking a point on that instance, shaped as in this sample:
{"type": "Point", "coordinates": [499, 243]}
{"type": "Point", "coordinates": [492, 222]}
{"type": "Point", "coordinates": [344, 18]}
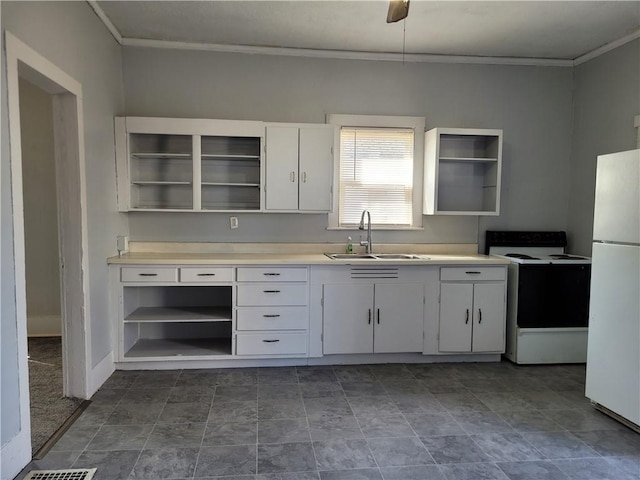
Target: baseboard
{"type": "Point", "coordinates": [44, 326]}
{"type": "Point", "coordinates": [15, 455]}
{"type": "Point", "coordinates": [100, 373]}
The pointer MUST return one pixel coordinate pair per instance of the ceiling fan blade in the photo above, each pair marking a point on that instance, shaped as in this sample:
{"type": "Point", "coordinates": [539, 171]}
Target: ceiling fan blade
{"type": "Point", "coordinates": [398, 10]}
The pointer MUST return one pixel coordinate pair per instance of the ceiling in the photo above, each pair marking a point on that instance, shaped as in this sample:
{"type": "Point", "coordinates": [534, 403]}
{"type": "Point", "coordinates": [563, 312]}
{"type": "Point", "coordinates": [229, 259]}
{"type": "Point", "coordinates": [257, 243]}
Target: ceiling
{"type": "Point", "coordinates": [563, 30]}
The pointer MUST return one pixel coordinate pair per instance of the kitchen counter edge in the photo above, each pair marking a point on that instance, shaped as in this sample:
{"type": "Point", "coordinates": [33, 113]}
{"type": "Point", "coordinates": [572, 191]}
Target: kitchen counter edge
{"type": "Point", "coordinates": [291, 259]}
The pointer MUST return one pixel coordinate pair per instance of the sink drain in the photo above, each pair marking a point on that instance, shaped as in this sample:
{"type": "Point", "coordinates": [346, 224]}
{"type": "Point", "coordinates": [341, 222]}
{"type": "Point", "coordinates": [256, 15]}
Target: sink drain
{"type": "Point", "coordinates": [68, 474]}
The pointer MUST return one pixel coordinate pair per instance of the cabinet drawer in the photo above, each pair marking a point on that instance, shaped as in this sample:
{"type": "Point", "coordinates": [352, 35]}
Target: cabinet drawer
{"type": "Point", "coordinates": [272, 294]}
{"type": "Point", "coordinates": [271, 344]}
{"type": "Point", "coordinates": [149, 274]}
{"type": "Point", "coordinates": [273, 318]}
{"type": "Point", "coordinates": [276, 274]}
{"type": "Point", "coordinates": [473, 273]}
{"type": "Point", "coordinates": [206, 274]}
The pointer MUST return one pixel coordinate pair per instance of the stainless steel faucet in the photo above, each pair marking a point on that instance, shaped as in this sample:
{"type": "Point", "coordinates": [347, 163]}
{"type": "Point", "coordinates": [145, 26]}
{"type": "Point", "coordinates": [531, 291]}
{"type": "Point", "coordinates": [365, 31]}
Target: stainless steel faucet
{"type": "Point", "coordinates": [366, 242]}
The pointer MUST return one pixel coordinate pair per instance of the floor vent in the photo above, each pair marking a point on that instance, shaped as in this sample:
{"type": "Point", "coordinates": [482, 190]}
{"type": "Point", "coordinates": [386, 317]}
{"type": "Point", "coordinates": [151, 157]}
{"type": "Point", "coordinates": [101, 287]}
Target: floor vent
{"type": "Point", "coordinates": [69, 474]}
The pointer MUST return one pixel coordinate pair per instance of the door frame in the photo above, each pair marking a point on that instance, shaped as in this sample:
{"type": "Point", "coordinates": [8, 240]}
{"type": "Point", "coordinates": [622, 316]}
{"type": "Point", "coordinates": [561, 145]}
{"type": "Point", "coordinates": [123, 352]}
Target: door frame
{"type": "Point", "coordinates": [23, 61]}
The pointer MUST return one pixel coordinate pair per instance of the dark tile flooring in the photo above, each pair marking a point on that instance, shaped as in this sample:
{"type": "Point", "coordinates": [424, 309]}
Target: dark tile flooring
{"type": "Point", "coordinates": [386, 422]}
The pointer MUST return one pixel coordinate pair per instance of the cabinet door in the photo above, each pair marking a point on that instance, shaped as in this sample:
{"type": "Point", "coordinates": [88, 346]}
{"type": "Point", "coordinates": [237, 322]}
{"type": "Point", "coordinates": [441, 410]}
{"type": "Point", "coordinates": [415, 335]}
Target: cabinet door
{"type": "Point", "coordinates": [399, 318]}
{"type": "Point", "coordinates": [315, 168]}
{"type": "Point", "coordinates": [282, 168]}
{"type": "Point", "coordinates": [488, 317]}
{"type": "Point", "coordinates": [456, 302]}
{"type": "Point", "coordinates": [348, 318]}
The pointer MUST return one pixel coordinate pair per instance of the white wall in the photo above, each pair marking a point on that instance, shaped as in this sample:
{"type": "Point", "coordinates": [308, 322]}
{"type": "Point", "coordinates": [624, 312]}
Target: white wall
{"type": "Point", "coordinates": [607, 98]}
{"type": "Point", "coordinates": [532, 105]}
{"type": "Point", "coordinates": [40, 211]}
{"type": "Point", "coordinates": [70, 36]}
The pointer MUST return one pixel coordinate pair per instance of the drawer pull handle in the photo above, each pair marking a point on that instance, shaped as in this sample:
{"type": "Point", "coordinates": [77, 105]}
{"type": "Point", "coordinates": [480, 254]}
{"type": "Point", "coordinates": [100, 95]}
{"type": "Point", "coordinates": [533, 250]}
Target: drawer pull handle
{"type": "Point", "coordinates": [466, 320]}
{"type": "Point", "coordinates": [148, 274]}
{"type": "Point", "coordinates": [271, 274]}
{"type": "Point", "coordinates": [206, 274]}
{"type": "Point", "coordinates": [271, 291]}
{"type": "Point", "coordinates": [473, 273]}
{"type": "Point", "coordinates": [271, 316]}
{"type": "Point", "coordinates": [271, 341]}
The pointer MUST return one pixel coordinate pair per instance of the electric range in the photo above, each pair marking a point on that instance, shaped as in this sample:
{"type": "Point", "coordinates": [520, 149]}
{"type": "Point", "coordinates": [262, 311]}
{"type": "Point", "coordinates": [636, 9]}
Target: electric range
{"type": "Point", "coordinates": [547, 296]}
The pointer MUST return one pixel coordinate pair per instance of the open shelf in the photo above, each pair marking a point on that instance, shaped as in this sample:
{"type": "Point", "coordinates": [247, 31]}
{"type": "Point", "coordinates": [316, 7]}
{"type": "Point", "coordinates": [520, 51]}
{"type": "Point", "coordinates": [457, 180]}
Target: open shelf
{"type": "Point", "coordinates": [179, 314]}
{"type": "Point", "coordinates": [232, 158]}
{"type": "Point", "coordinates": [467, 159]}
{"type": "Point", "coordinates": [183, 347]}
{"type": "Point", "coordinates": [231, 184]}
{"type": "Point", "coordinates": [179, 171]}
{"type": "Point", "coordinates": [177, 320]}
{"type": "Point", "coordinates": [462, 171]}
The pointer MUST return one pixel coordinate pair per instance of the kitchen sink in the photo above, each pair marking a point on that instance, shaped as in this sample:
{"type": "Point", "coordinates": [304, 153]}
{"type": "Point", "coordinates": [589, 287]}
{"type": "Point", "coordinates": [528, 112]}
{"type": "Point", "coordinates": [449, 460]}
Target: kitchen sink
{"type": "Point", "coordinates": [399, 256]}
{"type": "Point", "coordinates": [375, 256]}
{"type": "Point", "coordinates": [350, 256]}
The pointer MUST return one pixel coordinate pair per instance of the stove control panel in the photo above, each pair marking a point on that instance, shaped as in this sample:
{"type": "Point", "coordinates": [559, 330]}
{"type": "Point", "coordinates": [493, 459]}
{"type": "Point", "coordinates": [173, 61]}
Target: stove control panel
{"type": "Point", "coordinates": [524, 239]}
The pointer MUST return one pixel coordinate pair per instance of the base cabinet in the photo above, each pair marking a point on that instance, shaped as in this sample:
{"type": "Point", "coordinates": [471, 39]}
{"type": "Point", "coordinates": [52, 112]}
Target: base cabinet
{"type": "Point", "coordinates": [472, 317]}
{"type": "Point", "coordinates": [378, 318]}
{"type": "Point", "coordinates": [272, 311]}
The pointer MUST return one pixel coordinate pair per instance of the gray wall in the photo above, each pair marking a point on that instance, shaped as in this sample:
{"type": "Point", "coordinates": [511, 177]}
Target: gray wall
{"type": "Point", "coordinates": [71, 36]}
{"type": "Point", "coordinates": [40, 211]}
{"type": "Point", "coordinates": [607, 97]}
{"type": "Point", "coordinates": [532, 104]}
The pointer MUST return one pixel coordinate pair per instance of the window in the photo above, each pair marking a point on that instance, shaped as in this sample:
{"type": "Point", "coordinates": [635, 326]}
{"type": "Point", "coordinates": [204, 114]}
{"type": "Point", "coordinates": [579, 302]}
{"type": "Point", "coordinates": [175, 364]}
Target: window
{"type": "Point", "coordinates": [379, 163]}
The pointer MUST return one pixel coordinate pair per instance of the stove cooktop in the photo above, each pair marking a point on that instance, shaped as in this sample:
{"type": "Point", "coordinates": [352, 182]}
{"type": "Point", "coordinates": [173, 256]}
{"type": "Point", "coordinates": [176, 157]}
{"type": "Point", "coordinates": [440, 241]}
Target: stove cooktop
{"type": "Point", "coordinates": [552, 258]}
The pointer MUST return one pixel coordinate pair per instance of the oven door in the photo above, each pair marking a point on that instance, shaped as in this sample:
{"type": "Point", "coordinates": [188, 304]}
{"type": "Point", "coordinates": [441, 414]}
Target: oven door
{"type": "Point", "coordinates": [553, 295]}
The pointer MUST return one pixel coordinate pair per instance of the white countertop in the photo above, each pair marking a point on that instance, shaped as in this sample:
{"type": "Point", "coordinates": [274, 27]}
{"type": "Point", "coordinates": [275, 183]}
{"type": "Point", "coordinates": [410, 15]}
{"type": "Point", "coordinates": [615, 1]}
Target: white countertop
{"type": "Point", "coordinates": [180, 258]}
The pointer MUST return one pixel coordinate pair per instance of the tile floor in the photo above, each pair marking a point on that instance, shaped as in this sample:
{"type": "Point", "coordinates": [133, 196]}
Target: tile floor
{"type": "Point", "coordinates": [385, 422]}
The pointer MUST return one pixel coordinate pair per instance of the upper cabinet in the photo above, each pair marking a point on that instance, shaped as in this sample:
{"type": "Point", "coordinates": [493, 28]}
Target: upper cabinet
{"type": "Point", "coordinates": [462, 171]}
{"type": "Point", "coordinates": [189, 164]}
{"type": "Point", "coordinates": [299, 160]}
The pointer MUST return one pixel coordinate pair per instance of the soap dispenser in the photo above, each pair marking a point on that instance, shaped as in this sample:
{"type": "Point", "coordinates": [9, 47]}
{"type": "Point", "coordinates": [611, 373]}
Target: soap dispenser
{"type": "Point", "coordinates": [349, 248]}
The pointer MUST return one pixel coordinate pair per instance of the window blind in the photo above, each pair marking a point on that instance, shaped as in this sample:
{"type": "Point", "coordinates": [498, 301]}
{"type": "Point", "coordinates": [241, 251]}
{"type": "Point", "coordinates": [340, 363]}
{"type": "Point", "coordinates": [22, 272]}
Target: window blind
{"type": "Point", "coordinates": [376, 174]}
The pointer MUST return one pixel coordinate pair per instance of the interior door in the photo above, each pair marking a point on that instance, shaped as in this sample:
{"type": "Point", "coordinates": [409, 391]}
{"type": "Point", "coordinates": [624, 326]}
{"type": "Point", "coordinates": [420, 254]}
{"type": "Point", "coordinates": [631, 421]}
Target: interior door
{"type": "Point", "coordinates": [347, 318]}
{"type": "Point", "coordinates": [488, 317]}
{"type": "Point", "coordinates": [399, 318]}
{"type": "Point", "coordinates": [281, 168]}
{"type": "Point", "coordinates": [315, 168]}
{"type": "Point", "coordinates": [456, 303]}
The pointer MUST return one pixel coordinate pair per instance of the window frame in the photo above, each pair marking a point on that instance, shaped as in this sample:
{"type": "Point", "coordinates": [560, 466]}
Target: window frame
{"type": "Point", "coordinates": [417, 124]}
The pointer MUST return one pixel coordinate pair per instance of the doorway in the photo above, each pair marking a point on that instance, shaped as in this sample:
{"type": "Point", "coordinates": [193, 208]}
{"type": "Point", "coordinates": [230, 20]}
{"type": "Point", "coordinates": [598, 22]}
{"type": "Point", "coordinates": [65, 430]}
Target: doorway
{"type": "Point", "coordinates": [49, 408]}
{"type": "Point", "coordinates": [26, 65]}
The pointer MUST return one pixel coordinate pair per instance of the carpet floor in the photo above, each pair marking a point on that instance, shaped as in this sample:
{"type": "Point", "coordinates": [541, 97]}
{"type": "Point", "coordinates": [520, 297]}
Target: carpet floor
{"type": "Point", "coordinates": [49, 408]}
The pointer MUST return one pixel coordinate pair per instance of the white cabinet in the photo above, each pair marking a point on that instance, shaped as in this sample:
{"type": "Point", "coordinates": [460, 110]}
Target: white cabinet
{"type": "Point", "coordinates": [472, 313]}
{"type": "Point", "coordinates": [378, 318]}
{"type": "Point", "coordinates": [462, 172]}
{"type": "Point", "coordinates": [189, 164]}
{"type": "Point", "coordinates": [298, 167]}
{"type": "Point", "coordinates": [163, 316]}
{"type": "Point", "coordinates": [272, 311]}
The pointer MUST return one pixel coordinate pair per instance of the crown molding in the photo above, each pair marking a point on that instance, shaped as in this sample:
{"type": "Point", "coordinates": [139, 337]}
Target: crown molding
{"type": "Point", "coordinates": [344, 54]}
{"type": "Point", "coordinates": [105, 19]}
{"type": "Point", "coordinates": [607, 47]}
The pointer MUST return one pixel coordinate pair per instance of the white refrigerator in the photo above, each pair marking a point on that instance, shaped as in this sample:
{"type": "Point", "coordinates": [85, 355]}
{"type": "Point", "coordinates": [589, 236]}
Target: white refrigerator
{"type": "Point", "coordinates": [613, 352]}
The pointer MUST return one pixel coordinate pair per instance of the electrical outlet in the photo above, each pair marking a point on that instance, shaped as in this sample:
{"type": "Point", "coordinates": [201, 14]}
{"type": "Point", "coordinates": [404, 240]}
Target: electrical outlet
{"type": "Point", "coordinates": [233, 222]}
{"type": "Point", "coordinates": [122, 244]}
